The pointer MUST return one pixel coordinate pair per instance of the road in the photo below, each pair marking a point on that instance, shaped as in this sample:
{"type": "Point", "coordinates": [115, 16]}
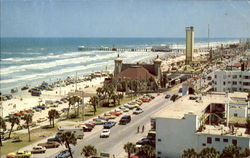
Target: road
{"type": "Point", "coordinates": [120, 134]}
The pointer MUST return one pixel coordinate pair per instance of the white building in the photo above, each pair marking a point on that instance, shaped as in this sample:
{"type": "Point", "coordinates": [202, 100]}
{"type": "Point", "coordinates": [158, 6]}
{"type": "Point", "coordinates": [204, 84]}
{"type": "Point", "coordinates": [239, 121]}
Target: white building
{"type": "Point", "coordinates": [232, 80]}
{"type": "Point", "coordinates": [181, 124]}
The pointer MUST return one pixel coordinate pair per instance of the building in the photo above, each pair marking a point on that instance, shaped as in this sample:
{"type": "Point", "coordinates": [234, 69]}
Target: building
{"type": "Point", "coordinates": [232, 80]}
{"type": "Point", "coordinates": [198, 122]}
{"type": "Point", "coordinates": [140, 71]}
{"type": "Point", "coordinates": [189, 44]}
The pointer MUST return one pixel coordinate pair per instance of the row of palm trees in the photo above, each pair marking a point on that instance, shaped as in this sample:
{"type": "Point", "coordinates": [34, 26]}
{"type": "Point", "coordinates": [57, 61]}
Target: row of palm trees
{"type": "Point", "coordinates": [146, 150]}
{"type": "Point", "coordinates": [231, 151]}
{"type": "Point", "coordinates": [14, 120]}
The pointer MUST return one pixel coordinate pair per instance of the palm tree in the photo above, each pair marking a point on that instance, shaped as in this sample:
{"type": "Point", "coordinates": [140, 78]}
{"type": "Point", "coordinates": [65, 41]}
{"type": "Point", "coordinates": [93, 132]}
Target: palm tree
{"type": "Point", "coordinates": [94, 102]}
{"type": "Point", "coordinates": [230, 151]}
{"type": "Point", "coordinates": [71, 101]}
{"type": "Point", "coordinates": [99, 92]}
{"type": "Point", "coordinates": [245, 153]}
{"type": "Point", "coordinates": [53, 113]}
{"type": "Point", "coordinates": [13, 120]}
{"type": "Point", "coordinates": [115, 98]}
{"type": "Point", "coordinates": [68, 138]}
{"type": "Point", "coordinates": [148, 150]}
{"type": "Point", "coordinates": [189, 153]}
{"type": "Point", "coordinates": [28, 120]}
{"type": "Point", "coordinates": [2, 126]}
{"type": "Point", "coordinates": [130, 148]}
{"type": "Point", "coordinates": [89, 150]}
{"type": "Point", "coordinates": [209, 152]}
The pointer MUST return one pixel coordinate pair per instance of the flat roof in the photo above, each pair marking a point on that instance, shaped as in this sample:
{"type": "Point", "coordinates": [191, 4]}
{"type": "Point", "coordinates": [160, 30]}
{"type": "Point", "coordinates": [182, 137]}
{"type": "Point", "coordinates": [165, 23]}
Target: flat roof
{"type": "Point", "coordinates": [184, 105]}
{"type": "Point", "coordinates": [223, 130]}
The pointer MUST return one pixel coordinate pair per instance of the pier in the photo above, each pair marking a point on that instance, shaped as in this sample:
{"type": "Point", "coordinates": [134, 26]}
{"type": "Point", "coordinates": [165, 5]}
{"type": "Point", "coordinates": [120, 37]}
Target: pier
{"type": "Point", "coordinates": [82, 48]}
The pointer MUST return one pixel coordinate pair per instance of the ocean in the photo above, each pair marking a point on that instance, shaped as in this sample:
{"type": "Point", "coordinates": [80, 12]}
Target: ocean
{"type": "Point", "coordinates": [33, 60]}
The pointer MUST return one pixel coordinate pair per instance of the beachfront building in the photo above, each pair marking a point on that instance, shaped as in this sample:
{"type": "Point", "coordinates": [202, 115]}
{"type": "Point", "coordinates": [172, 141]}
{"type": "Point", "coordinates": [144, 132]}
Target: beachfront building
{"type": "Point", "coordinates": [137, 71]}
{"type": "Point", "coordinates": [189, 44]}
{"type": "Point", "coordinates": [233, 79]}
{"type": "Point", "coordinates": [198, 122]}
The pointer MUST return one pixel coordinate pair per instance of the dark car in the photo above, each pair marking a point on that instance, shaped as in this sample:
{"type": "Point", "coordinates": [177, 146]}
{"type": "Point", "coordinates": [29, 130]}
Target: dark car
{"type": "Point", "coordinates": [49, 144]}
{"type": "Point", "coordinates": [55, 139]}
{"type": "Point", "coordinates": [64, 154]}
{"type": "Point", "coordinates": [109, 124]}
{"type": "Point", "coordinates": [167, 96]}
{"type": "Point", "coordinates": [36, 93]}
{"type": "Point", "coordinates": [8, 96]}
{"type": "Point", "coordinates": [125, 119]}
{"type": "Point", "coordinates": [144, 141]}
{"type": "Point", "coordinates": [87, 128]}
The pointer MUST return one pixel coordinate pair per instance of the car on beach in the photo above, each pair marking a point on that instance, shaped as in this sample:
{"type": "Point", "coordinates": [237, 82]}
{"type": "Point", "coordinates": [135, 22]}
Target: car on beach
{"type": "Point", "coordinates": [105, 133]}
{"type": "Point", "coordinates": [38, 149]}
{"type": "Point", "coordinates": [49, 144]}
{"type": "Point", "coordinates": [64, 153]}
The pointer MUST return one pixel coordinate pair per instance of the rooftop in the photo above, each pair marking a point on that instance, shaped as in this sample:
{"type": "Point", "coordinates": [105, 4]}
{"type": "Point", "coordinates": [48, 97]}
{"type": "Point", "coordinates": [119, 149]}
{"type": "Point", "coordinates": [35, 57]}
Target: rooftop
{"type": "Point", "coordinates": [223, 130]}
{"type": "Point", "coordinates": [184, 105]}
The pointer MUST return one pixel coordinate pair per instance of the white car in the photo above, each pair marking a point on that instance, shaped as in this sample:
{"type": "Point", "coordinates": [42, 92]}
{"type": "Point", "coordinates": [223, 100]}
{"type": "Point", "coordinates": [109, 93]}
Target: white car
{"type": "Point", "coordinates": [125, 110]}
{"type": "Point", "coordinates": [105, 133]}
{"type": "Point", "coordinates": [138, 111]}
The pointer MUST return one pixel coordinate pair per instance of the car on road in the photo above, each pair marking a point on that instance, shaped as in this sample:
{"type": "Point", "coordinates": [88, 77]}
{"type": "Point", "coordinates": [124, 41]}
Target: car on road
{"type": "Point", "coordinates": [90, 124]}
{"type": "Point", "coordinates": [109, 116]}
{"type": "Point", "coordinates": [167, 96]}
{"type": "Point", "coordinates": [144, 141]}
{"type": "Point", "coordinates": [99, 122]}
{"type": "Point", "coordinates": [41, 120]}
{"type": "Point", "coordinates": [49, 144]}
{"type": "Point", "coordinates": [116, 113]}
{"type": "Point", "coordinates": [38, 149]}
{"type": "Point", "coordinates": [105, 133]}
{"type": "Point", "coordinates": [87, 128]}
{"type": "Point", "coordinates": [19, 154]}
{"type": "Point", "coordinates": [64, 153]}
{"type": "Point", "coordinates": [109, 124]}
{"type": "Point", "coordinates": [125, 110]}
{"type": "Point", "coordinates": [125, 119]}
{"type": "Point", "coordinates": [55, 139]}
{"type": "Point", "coordinates": [138, 111]}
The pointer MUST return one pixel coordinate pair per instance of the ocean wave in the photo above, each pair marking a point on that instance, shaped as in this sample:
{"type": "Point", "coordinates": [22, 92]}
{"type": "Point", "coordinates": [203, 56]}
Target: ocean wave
{"type": "Point", "coordinates": [62, 62]}
{"type": "Point", "coordinates": [52, 73]}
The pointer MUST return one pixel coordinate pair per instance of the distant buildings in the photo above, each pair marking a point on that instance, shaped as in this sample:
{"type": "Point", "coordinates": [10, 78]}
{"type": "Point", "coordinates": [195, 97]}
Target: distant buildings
{"type": "Point", "coordinates": [201, 121]}
{"type": "Point", "coordinates": [233, 80]}
{"type": "Point", "coordinates": [189, 44]}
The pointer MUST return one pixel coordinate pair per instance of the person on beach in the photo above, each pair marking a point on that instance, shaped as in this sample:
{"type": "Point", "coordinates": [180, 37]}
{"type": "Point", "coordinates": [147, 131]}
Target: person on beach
{"type": "Point", "coordinates": [138, 129]}
{"type": "Point", "coordinates": [142, 129]}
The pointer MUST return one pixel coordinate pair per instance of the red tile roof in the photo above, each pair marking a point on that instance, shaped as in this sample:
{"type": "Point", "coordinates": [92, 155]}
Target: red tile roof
{"type": "Point", "coordinates": [135, 72]}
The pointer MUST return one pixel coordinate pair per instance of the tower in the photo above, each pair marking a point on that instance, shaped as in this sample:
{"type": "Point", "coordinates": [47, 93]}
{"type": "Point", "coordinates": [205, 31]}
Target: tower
{"type": "Point", "coordinates": [189, 44]}
{"type": "Point", "coordinates": [118, 65]}
{"type": "Point", "coordinates": [157, 67]}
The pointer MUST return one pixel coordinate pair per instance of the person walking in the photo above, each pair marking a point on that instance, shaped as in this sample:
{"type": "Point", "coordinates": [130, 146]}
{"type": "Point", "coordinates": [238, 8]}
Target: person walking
{"type": "Point", "coordinates": [138, 129]}
{"type": "Point", "coordinates": [142, 129]}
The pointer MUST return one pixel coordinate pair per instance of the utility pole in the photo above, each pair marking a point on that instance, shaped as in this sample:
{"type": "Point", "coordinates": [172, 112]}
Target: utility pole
{"type": "Point", "coordinates": [76, 82]}
{"type": "Point", "coordinates": [208, 37]}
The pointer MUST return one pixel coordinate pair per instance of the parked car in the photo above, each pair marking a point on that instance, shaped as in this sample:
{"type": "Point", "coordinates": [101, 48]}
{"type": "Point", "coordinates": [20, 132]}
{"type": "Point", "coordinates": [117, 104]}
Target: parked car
{"type": "Point", "coordinates": [105, 133]}
{"type": "Point", "coordinates": [99, 122]}
{"type": "Point", "coordinates": [49, 145]}
{"type": "Point", "coordinates": [87, 128]}
{"type": "Point", "coordinates": [16, 139]}
{"type": "Point", "coordinates": [64, 153]}
{"type": "Point", "coordinates": [144, 141]}
{"type": "Point", "coordinates": [109, 124]}
{"type": "Point", "coordinates": [108, 115]}
{"type": "Point", "coordinates": [19, 154]}
{"type": "Point", "coordinates": [90, 124]}
{"type": "Point", "coordinates": [138, 111]}
{"type": "Point", "coordinates": [116, 113]}
{"type": "Point", "coordinates": [55, 139]}
{"type": "Point", "coordinates": [167, 96]}
{"type": "Point", "coordinates": [38, 149]}
{"type": "Point", "coordinates": [125, 119]}
{"type": "Point", "coordinates": [41, 120]}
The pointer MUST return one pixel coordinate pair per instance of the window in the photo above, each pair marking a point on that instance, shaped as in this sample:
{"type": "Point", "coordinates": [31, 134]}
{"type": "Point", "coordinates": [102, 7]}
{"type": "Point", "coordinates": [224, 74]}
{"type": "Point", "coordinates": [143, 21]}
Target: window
{"type": "Point", "coordinates": [224, 83]}
{"type": "Point", "coordinates": [234, 83]}
{"type": "Point", "coordinates": [239, 89]}
{"type": "Point", "coordinates": [235, 115]}
{"type": "Point", "coordinates": [240, 82]}
{"type": "Point", "coordinates": [158, 152]}
{"type": "Point", "coordinates": [229, 76]}
{"type": "Point", "coordinates": [225, 140]}
{"type": "Point", "coordinates": [209, 140]}
{"type": "Point", "coordinates": [203, 144]}
{"type": "Point", "coordinates": [239, 76]}
{"type": "Point", "coordinates": [159, 140]}
{"type": "Point", "coordinates": [246, 77]}
{"type": "Point", "coordinates": [234, 142]}
{"type": "Point", "coordinates": [217, 139]}
{"type": "Point", "coordinates": [234, 89]}
{"type": "Point", "coordinates": [215, 76]}
{"type": "Point", "coordinates": [229, 82]}
{"type": "Point", "coordinates": [234, 76]}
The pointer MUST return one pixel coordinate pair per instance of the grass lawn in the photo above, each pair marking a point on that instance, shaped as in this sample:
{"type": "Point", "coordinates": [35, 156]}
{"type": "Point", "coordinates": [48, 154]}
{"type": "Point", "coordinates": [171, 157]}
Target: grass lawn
{"type": "Point", "coordinates": [35, 136]}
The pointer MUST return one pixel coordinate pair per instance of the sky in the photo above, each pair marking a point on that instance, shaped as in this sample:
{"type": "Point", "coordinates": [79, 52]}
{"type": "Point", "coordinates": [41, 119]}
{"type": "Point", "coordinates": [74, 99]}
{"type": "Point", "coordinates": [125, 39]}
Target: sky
{"type": "Point", "coordinates": [124, 18]}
